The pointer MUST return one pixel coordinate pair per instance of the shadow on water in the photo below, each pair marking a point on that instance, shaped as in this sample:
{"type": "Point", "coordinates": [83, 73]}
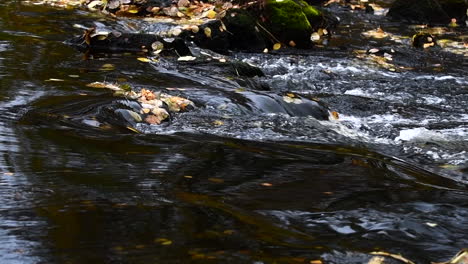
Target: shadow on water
{"type": "Point", "coordinates": [266, 188]}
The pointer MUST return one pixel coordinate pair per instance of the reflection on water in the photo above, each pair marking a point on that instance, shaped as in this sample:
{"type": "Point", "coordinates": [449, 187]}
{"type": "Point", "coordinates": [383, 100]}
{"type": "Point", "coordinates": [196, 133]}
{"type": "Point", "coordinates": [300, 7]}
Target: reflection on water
{"type": "Point", "coordinates": [262, 188]}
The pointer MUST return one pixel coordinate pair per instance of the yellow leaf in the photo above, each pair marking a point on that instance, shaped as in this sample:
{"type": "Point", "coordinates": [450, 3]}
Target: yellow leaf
{"type": "Point", "coordinates": [144, 59]}
{"type": "Point", "coordinates": [207, 31]}
{"type": "Point", "coordinates": [134, 130]}
{"type": "Point", "coordinates": [211, 14]}
{"type": "Point", "coordinates": [107, 67]}
{"type": "Point", "coordinates": [218, 123]}
{"type": "Point", "coordinates": [335, 115]}
{"type": "Point", "coordinates": [133, 11]}
{"type": "Point", "coordinates": [317, 261]}
{"type": "Point", "coordinates": [277, 46]}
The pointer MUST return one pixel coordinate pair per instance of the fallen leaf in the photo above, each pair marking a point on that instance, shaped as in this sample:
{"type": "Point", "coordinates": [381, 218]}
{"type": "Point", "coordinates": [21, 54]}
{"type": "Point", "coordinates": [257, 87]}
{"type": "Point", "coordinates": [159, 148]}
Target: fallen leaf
{"type": "Point", "coordinates": [218, 123]}
{"type": "Point", "coordinates": [93, 4]}
{"type": "Point", "coordinates": [163, 241]}
{"type": "Point", "coordinates": [143, 59]}
{"type": "Point", "coordinates": [228, 232]}
{"type": "Point", "coordinates": [376, 260]}
{"type": "Point", "coordinates": [395, 256]}
{"type": "Point", "coordinates": [277, 46]}
{"type": "Point", "coordinates": [315, 37]}
{"type": "Point", "coordinates": [207, 32]}
{"type": "Point", "coordinates": [211, 14]}
{"type": "Point", "coordinates": [107, 67]}
{"type": "Point", "coordinates": [186, 58]}
{"type": "Point", "coordinates": [216, 180]}
{"type": "Point", "coordinates": [104, 85]}
{"type": "Point", "coordinates": [266, 184]}
{"type": "Point", "coordinates": [335, 115]}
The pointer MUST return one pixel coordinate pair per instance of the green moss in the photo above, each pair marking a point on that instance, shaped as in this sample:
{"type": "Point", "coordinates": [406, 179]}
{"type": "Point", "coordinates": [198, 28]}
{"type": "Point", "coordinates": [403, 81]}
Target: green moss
{"type": "Point", "coordinates": [310, 11]}
{"type": "Point", "coordinates": [287, 15]}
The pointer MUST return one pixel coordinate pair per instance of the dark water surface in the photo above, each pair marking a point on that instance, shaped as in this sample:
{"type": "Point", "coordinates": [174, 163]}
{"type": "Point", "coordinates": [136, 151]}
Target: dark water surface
{"type": "Point", "coordinates": [268, 185]}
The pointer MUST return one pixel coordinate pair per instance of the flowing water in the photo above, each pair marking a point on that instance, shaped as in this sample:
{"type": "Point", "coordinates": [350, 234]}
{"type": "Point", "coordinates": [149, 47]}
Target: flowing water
{"type": "Point", "coordinates": [245, 177]}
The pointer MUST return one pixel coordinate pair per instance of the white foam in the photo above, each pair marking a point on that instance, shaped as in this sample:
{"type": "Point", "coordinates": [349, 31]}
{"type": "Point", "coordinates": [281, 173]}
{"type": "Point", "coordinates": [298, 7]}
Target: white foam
{"type": "Point", "coordinates": [420, 134]}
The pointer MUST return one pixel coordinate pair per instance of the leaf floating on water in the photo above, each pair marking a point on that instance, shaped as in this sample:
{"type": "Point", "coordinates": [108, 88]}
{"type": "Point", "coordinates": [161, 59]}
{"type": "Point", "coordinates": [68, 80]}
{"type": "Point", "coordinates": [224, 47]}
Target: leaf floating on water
{"type": "Point", "coordinates": [207, 32]}
{"type": "Point", "coordinates": [104, 85]}
{"type": "Point", "coordinates": [277, 46]}
{"type": "Point", "coordinates": [265, 50]}
{"type": "Point", "coordinates": [216, 180]}
{"type": "Point", "coordinates": [55, 80]}
{"type": "Point", "coordinates": [335, 115]}
{"type": "Point", "coordinates": [292, 99]}
{"type": "Point", "coordinates": [316, 261]}
{"type": "Point", "coordinates": [133, 130]}
{"type": "Point", "coordinates": [186, 58]}
{"type": "Point", "coordinates": [228, 232]}
{"type": "Point", "coordinates": [431, 224]}
{"type": "Point", "coordinates": [376, 260]}
{"type": "Point", "coordinates": [395, 256]}
{"type": "Point", "coordinates": [266, 184]}
{"type": "Point", "coordinates": [218, 123]}
{"type": "Point", "coordinates": [292, 43]}
{"type": "Point", "coordinates": [143, 59]}
{"type": "Point", "coordinates": [107, 67]}
{"type": "Point", "coordinates": [163, 241]}
{"type": "Point", "coordinates": [376, 33]}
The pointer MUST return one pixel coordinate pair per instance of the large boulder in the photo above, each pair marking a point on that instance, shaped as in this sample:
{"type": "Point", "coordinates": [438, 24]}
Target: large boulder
{"type": "Point", "coordinates": [253, 30]}
{"type": "Point", "coordinates": [291, 20]}
{"type": "Point", "coordinates": [429, 11]}
{"type": "Point", "coordinates": [237, 30]}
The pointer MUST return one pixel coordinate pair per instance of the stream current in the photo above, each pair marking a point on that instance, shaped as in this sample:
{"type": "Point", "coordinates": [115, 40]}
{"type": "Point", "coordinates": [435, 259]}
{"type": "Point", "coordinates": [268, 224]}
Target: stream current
{"type": "Point", "coordinates": [241, 178]}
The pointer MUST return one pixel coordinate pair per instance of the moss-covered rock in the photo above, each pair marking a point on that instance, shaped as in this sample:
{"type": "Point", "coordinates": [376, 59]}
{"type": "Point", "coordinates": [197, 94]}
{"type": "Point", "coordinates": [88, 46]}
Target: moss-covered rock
{"type": "Point", "coordinates": [291, 20]}
{"type": "Point", "coordinates": [429, 11]}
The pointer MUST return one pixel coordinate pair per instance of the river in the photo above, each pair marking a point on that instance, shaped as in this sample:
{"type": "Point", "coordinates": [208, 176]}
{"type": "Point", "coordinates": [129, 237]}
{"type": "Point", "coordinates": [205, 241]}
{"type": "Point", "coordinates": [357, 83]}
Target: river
{"type": "Point", "coordinates": [238, 179]}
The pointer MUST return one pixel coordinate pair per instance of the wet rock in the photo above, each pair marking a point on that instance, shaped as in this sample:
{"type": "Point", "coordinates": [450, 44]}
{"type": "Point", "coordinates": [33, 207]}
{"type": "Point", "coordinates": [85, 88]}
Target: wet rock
{"type": "Point", "coordinates": [290, 20]}
{"type": "Point", "coordinates": [423, 40]}
{"type": "Point", "coordinates": [280, 22]}
{"type": "Point", "coordinates": [429, 11]}
{"type": "Point", "coordinates": [121, 42]}
{"type": "Point", "coordinates": [245, 34]}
